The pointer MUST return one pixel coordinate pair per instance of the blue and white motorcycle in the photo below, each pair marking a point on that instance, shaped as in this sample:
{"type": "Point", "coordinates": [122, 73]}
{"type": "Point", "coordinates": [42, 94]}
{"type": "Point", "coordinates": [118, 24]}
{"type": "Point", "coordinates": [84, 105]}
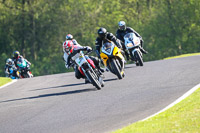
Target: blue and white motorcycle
{"type": "Point", "coordinates": [13, 73]}
{"type": "Point", "coordinates": [132, 44]}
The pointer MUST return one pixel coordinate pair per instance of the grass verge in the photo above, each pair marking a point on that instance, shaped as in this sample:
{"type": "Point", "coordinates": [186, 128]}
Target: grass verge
{"type": "Point", "coordinates": [181, 118]}
{"type": "Point", "coordinates": [4, 80]}
{"type": "Point", "coordinates": [184, 55]}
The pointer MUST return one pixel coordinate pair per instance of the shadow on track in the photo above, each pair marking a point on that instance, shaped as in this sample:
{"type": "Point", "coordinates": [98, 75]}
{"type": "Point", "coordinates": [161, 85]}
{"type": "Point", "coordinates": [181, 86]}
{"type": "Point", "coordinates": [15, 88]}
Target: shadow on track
{"type": "Point", "coordinates": [58, 94]}
{"type": "Point", "coordinates": [59, 86]}
{"type": "Point", "coordinates": [52, 94]}
{"type": "Point", "coordinates": [69, 85]}
{"type": "Point", "coordinates": [128, 67]}
{"type": "Point", "coordinates": [107, 80]}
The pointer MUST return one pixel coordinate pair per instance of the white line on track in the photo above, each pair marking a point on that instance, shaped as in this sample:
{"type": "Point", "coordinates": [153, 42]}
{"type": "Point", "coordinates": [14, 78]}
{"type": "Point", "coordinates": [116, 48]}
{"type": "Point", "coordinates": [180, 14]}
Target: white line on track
{"type": "Point", "coordinates": [175, 102]}
{"type": "Point", "coordinates": [13, 81]}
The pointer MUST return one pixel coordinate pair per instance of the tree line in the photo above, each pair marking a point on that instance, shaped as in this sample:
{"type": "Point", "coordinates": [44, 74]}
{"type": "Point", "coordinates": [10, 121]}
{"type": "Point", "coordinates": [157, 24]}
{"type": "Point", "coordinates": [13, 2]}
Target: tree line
{"type": "Point", "coordinates": [37, 28]}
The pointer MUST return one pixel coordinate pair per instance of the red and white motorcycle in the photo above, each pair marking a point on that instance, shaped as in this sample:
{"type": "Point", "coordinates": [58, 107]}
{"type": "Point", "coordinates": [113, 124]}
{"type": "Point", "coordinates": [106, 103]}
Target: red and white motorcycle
{"type": "Point", "coordinates": [88, 69]}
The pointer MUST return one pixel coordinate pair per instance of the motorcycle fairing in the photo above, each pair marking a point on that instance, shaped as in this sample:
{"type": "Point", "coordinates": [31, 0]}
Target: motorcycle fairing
{"type": "Point", "coordinates": [131, 41]}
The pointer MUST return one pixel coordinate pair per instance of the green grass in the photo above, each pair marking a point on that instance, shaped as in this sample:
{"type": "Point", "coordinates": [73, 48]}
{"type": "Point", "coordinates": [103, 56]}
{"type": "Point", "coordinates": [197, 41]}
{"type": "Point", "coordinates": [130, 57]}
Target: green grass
{"type": "Point", "coordinates": [4, 80]}
{"type": "Point", "coordinates": [184, 55]}
{"type": "Point", "coordinates": [184, 117]}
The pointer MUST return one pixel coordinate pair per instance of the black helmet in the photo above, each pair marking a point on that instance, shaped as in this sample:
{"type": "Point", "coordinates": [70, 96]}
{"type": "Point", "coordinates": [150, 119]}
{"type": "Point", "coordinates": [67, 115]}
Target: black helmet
{"type": "Point", "coordinates": [102, 32]}
{"type": "Point", "coordinates": [16, 54]}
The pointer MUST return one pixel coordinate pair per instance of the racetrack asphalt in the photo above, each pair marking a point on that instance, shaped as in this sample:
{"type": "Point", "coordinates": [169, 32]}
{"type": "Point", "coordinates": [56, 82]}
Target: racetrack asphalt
{"type": "Point", "coordinates": [61, 103]}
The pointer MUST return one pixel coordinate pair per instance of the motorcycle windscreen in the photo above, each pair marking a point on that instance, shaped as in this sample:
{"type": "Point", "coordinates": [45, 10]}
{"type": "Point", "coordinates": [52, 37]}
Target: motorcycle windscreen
{"type": "Point", "coordinates": [22, 63]}
{"type": "Point", "coordinates": [107, 48]}
{"type": "Point", "coordinates": [80, 60]}
{"type": "Point", "coordinates": [131, 40]}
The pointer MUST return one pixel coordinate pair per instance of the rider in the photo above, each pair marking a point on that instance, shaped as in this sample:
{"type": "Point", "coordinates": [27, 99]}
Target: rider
{"type": "Point", "coordinates": [10, 69]}
{"type": "Point", "coordinates": [71, 50]}
{"type": "Point", "coordinates": [69, 37]}
{"type": "Point", "coordinates": [104, 36]}
{"type": "Point", "coordinates": [122, 31]}
{"type": "Point", "coordinates": [17, 56]}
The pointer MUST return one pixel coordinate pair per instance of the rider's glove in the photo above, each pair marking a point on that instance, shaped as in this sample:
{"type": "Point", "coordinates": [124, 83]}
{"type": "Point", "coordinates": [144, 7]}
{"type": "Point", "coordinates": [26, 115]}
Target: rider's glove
{"type": "Point", "coordinates": [15, 68]}
{"type": "Point", "coordinates": [68, 65]}
{"type": "Point", "coordinates": [89, 49]}
{"type": "Point", "coordinates": [118, 42]}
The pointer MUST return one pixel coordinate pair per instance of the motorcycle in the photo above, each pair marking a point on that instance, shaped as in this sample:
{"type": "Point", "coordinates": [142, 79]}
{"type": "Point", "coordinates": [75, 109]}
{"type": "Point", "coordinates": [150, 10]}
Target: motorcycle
{"type": "Point", "coordinates": [132, 43]}
{"type": "Point", "coordinates": [88, 69]}
{"type": "Point", "coordinates": [24, 68]}
{"type": "Point", "coordinates": [13, 73]}
{"type": "Point", "coordinates": [113, 59]}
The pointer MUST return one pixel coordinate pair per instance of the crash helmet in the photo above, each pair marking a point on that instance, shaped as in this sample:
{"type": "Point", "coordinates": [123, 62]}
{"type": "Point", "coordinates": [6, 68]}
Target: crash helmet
{"type": "Point", "coordinates": [68, 46]}
{"type": "Point", "coordinates": [122, 25]}
{"type": "Point", "coordinates": [102, 32]}
{"type": "Point", "coordinates": [9, 62]}
{"type": "Point", "coordinates": [69, 37]}
{"type": "Point", "coordinates": [16, 54]}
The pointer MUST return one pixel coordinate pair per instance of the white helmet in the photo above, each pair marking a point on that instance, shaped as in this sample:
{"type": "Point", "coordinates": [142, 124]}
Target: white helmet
{"type": "Point", "coordinates": [122, 25]}
{"type": "Point", "coordinates": [69, 37]}
{"type": "Point", "coordinates": [9, 62]}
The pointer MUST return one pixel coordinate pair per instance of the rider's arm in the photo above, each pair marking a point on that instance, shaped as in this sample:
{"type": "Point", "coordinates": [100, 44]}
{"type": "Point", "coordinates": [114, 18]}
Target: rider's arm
{"type": "Point", "coordinates": [25, 60]}
{"type": "Point", "coordinates": [68, 60]}
{"type": "Point", "coordinates": [132, 30]}
{"type": "Point", "coordinates": [75, 42]}
{"type": "Point", "coordinates": [115, 40]}
{"type": "Point", "coordinates": [119, 36]}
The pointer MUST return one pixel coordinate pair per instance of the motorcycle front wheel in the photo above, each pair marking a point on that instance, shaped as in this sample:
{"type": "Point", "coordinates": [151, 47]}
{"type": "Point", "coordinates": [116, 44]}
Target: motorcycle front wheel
{"type": "Point", "coordinates": [94, 79]}
{"type": "Point", "coordinates": [116, 69]}
{"type": "Point", "coordinates": [138, 57]}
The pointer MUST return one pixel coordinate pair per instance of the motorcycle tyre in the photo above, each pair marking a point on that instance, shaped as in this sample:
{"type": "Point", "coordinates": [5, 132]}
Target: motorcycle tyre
{"type": "Point", "coordinates": [116, 69]}
{"type": "Point", "coordinates": [138, 57]}
{"type": "Point", "coordinates": [94, 81]}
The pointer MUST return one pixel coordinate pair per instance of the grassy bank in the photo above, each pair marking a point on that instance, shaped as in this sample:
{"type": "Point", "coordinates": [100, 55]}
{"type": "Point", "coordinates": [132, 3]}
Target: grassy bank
{"type": "Point", "coordinates": [4, 80]}
{"type": "Point", "coordinates": [181, 118]}
{"type": "Point", "coordinates": [184, 55]}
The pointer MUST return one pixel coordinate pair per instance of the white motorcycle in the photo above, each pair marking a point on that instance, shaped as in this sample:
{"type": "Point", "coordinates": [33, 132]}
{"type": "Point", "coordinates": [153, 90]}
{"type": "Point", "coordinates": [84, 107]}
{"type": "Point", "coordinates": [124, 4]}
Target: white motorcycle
{"type": "Point", "coordinates": [88, 69]}
{"type": "Point", "coordinates": [132, 44]}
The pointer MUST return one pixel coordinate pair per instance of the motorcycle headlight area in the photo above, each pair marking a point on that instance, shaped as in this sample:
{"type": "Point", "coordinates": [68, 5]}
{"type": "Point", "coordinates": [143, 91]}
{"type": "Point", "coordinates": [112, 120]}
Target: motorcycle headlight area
{"type": "Point", "coordinates": [108, 50]}
{"type": "Point", "coordinates": [129, 45]}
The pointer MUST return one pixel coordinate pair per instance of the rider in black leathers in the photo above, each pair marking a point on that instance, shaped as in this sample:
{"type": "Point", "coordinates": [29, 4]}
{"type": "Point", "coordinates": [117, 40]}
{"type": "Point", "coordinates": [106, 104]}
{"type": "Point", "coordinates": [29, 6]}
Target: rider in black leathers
{"type": "Point", "coordinates": [122, 31]}
{"type": "Point", "coordinates": [104, 36]}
